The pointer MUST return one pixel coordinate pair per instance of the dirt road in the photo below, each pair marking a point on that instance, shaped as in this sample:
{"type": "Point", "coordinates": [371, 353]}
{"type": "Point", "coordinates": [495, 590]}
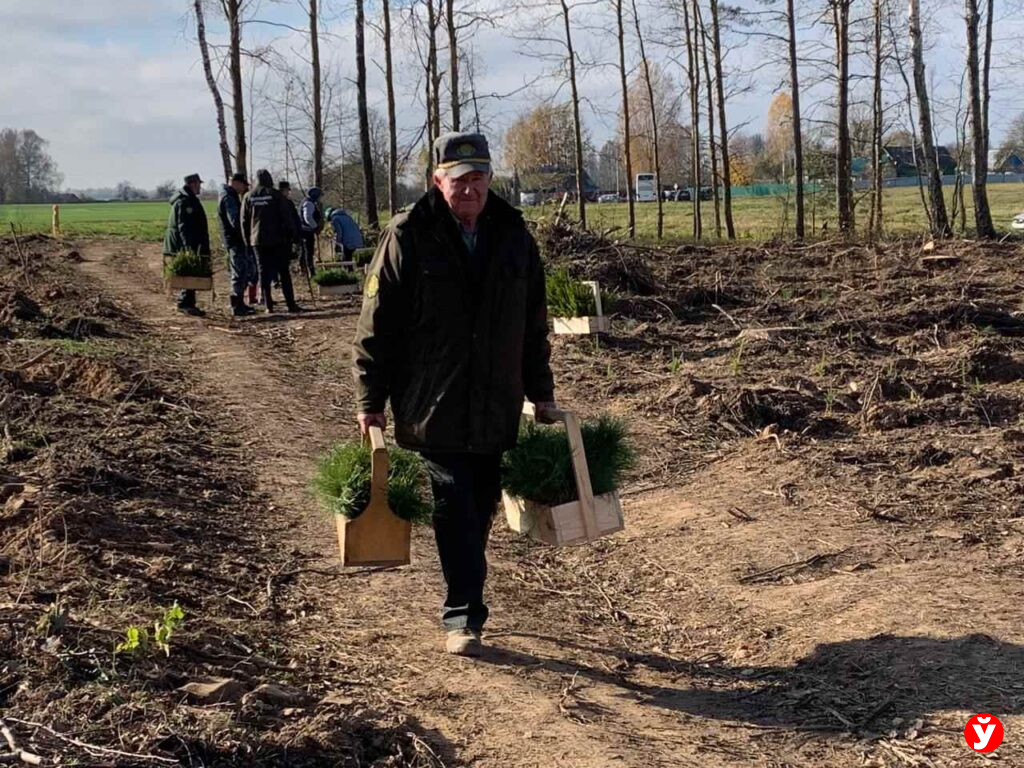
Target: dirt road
{"type": "Point", "coordinates": [755, 612]}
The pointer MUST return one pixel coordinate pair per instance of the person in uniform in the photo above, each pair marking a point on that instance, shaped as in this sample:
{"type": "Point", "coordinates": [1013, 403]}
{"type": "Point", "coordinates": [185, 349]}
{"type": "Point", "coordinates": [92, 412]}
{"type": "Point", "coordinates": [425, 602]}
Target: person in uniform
{"type": "Point", "coordinates": [268, 226]}
{"type": "Point", "coordinates": [454, 333]}
{"type": "Point", "coordinates": [188, 230]}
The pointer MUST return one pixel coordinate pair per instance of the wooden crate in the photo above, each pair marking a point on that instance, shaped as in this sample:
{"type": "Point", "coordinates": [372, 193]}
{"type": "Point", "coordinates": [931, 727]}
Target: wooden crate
{"type": "Point", "coordinates": [563, 525]}
{"type": "Point", "coordinates": [177, 283]}
{"type": "Point", "coordinates": [337, 290]}
{"type": "Point", "coordinates": [377, 536]}
{"type": "Point", "coordinates": [582, 325]}
{"type": "Point", "coordinates": [577, 522]}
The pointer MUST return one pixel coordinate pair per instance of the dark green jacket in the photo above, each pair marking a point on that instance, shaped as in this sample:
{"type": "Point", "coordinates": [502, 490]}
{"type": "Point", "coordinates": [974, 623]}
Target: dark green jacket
{"type": "Point", "coordinates": [454, 343]}
{"type": "Point", "coordinates": [186, 226]}
{"type": "Point", "coordinates": [268, 219]}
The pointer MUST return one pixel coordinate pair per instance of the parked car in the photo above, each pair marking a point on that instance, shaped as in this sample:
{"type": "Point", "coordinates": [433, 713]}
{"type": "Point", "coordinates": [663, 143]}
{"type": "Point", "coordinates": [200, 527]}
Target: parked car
{"type": "Point", "coordinates": [1018, 221]}
{"type": "Point", "coordinates": [608, 197]}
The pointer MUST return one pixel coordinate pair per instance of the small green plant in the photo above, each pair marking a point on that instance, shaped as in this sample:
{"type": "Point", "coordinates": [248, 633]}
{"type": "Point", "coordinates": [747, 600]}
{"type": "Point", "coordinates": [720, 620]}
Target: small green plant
{"type": "Point", "coordinates": [676, 363]}
{"type": "Point", "coordinates": [830, 399]}
{"type": "Point", "coordinates": [139, 640]}
{"type": "Point", "coordinates": [786, 294]}
{"type": "Point", "coordinates": [822, 365]}
{"type": "Point", "coordinates": [363, 256]}
{"type": "Point", "coordinates": [737, 358]}
{"type": "Point", "coordinates": [540, 469]}
{"type": "Point", "coordinates": [188, 264]}
{"type": "Point", "coordinates": [328, 277]}
{"type": "Point", "coordinates": [571, 298]}
{"type": "Point", "coordinates": [342, 482]}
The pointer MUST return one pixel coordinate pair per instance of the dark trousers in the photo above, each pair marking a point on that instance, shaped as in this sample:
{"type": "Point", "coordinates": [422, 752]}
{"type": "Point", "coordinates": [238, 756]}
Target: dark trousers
{"type": "Point", "coordinates": [273, 261]}
{"type": "Point", "coordinates": [308, 256]}
{"type": "Point", "coordinates": [467, 488]}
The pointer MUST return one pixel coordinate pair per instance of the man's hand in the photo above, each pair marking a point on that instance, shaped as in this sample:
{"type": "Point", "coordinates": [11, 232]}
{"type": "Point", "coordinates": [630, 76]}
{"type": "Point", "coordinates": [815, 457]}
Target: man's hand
{"type": "Point", "coordinates": [367, 420]}
{"type": "Point", "coordinates": [540, 412]}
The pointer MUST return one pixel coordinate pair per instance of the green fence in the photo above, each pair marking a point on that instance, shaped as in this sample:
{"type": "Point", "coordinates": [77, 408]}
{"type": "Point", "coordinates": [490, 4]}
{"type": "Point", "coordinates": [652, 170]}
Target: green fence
{"type": "Point", "coordinates": [765, 190]}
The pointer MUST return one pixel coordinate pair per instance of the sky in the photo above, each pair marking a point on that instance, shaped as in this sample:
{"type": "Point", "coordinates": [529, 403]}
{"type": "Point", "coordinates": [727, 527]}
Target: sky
{"type": "Point", "coordinates": [117, 87]}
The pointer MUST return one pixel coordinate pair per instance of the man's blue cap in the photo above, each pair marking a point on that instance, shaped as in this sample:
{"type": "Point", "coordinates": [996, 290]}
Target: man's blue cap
{"type": "Point", "coordinates": [460, 153]}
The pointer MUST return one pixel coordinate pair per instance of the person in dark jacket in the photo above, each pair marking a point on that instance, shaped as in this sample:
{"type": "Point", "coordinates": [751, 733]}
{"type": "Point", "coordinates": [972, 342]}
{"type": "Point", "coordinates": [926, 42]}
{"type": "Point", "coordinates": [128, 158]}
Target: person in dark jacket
{"type": "Point", "coordinates": [454, 333]}
{"type": "Point", "coordinates": [243, 266]}
{"type": "Point", "coordinates": [312, 220]}
{"type": "Point", "coordinates": [268, 226]}
{"type": "Point", "coordinates": [188, 230]}
{"type": "Point", "coordinates": [285, 188]}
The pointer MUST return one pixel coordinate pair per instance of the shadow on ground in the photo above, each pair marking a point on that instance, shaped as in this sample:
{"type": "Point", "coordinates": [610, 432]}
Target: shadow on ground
{"type": "Point", "coordinates": [846, 686]}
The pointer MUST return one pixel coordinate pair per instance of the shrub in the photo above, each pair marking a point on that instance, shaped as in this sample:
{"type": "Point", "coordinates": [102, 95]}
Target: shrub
{"type": "Point", "coordinates": [188, 264]}
{"type": "Point", "coordinates": [571, 298]}
{"type": "Point", "coordinates": [342, 482]}
{"type": "Point", "coordinates": [539, 468]}
{"type": "Point", "coordinates": [328, 277]}
{"type": "Point", "coordinates": [363, 256]}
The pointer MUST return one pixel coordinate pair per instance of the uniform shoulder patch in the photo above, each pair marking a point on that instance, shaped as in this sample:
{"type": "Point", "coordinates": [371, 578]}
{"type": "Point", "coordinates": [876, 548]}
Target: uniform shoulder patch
{"type": "Point", "coordinates": [188, 209]}
{"type": "Point", "coordinates": [372, 286]}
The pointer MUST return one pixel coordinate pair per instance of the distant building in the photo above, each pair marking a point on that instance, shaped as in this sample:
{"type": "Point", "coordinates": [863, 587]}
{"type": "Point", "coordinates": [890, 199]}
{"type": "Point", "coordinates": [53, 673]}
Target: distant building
{"type": "Point", "coordinates": [1010, 163]}
{"type": "Point", "coordinates": [903, 160]}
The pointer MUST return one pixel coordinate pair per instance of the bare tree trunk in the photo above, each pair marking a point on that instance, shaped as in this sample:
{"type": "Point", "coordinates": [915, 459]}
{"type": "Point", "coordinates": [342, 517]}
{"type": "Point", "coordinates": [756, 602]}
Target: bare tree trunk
{"type": "Point", "coordinates": [433, 73]}
{"type": "Point", "coordinates": [654, 119]}
{"type": "Point", "coordinates": [232, 11]}
{"type": "Point", "coordinates": [389, 76]}
{"type": "Point", "coordinates": [703, 37]}
{"type": "Point", "coordinates": [626, 134]}
{"type": "Point", "coordinates": [723, 144]}
{"type": "Point", "coordinates": [211, 82]}
{"type": "Point", "coordinates": [940, 222]}
{"type": "Point", "coordinates": [694, 77]}
{"type": "Point", "coordinates": [577, 125]}
{"type": "Point", "coordinates": [318, 118]}
{"type": "Point", "coordinates": [875, 222]}
{"type": "Point", "coordinates": [798, 142]}
{"type": "Point", "coordinates": [453, 65]}
{"type": "Point", "coordinates": [844, 191]}
{"type": "Point", "coordinates": [979, 148]}
{"type": "Point", "coordinates": [369, 189]}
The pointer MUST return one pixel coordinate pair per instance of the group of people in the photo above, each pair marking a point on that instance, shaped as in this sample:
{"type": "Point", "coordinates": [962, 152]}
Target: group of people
{"type": "Point", "coordinates": [263, 231]}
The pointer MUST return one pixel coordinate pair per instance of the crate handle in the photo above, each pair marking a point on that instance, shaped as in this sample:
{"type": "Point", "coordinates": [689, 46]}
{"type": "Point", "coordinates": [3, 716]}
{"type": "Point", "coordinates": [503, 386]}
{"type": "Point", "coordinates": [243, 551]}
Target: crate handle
{"type": "Point", "coordinates": [596, 288]}
{"type": "Point", "coordinates": [584, 491]}
{"type": "Point", "coordinates": [380, 465]}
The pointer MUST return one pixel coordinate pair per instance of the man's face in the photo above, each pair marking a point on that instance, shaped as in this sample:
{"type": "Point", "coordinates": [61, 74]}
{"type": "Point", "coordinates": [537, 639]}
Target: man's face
{"type": "Point", "coordinates": [467, 194]}
{"type": "Point", "coordinates": [240, 187]}
{"type": "Point", "coordinates": [287, 192]}
{"type": "Point", "coordinates": [196, 187]}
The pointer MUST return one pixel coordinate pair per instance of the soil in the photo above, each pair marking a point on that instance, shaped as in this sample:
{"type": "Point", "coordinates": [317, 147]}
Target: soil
{"type": "Point", "coordinates": [821, 564]}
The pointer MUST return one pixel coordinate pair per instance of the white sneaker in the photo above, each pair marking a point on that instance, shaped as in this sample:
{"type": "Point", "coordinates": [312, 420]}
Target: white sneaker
{"type": "Point", "coordinates": [463, 642]}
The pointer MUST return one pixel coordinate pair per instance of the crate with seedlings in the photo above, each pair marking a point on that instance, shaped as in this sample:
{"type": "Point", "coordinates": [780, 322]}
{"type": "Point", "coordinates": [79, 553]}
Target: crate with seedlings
{"type": "Point", "coordinates": [188, 270]}
{"type": "Point", "coordinates": [577, 306]}
{"type": "Point", "coordinates": [336, 282]}
{"type": "Point", "coordinates": [561, 486]}
{"type": "Point", "coordinates": [375, 498]}
{"type": "Point", "coordinates": [362, 257]}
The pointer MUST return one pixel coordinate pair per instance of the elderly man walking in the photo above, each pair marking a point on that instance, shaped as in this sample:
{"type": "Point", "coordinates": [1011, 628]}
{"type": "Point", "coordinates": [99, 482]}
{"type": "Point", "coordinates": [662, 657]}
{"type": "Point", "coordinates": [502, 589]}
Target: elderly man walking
{"type": "Point", "coordinates": [188, 230]}
{"type": "Point", "coordinates": [268, 226]}
{"type": "Point", "coordinates": [243, 266]}
{"type": "Point", "coordinates": [454, 333]}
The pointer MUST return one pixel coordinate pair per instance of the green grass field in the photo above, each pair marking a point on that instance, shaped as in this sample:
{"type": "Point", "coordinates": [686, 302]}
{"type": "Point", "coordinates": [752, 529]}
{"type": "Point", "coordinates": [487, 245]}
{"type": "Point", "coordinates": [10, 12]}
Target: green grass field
{"type": "Point", "coordinates": [137, 221]}
{"type": "Point", "coordinates": [756, 218]}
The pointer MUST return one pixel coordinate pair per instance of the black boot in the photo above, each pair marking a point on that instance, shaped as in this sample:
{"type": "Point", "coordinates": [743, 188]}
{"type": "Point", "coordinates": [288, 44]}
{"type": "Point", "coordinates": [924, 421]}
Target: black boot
{"type": "Point", "coordinates": [239, 308]}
